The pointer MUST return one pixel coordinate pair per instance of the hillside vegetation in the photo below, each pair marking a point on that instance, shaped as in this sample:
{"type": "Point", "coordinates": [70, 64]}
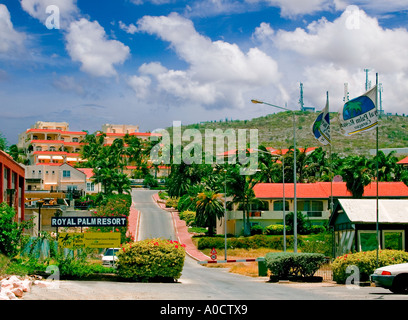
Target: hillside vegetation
{"type": "Point", "coordinates": [276, 130]}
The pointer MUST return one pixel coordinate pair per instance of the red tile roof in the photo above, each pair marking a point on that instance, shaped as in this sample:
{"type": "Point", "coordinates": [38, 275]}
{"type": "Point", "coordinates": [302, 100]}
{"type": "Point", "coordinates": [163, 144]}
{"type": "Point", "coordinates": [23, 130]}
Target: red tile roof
{"type": "Point", "coordinates": [403, 161]}
{"type": "Point", "coordinates": [88, 172]}
{"type": "Point", "coordinates": [273, 151]}
{"type": "Point", "coordinates": [322, 190]}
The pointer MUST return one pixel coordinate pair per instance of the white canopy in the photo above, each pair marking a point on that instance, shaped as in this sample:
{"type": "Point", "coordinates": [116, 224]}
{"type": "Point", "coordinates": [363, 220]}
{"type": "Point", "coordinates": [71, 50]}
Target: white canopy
{"type": "Point", "coordinates": [364, 210]}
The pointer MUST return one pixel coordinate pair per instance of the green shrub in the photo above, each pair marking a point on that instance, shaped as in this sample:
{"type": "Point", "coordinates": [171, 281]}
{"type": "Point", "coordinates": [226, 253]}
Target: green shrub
{"type": "Point", "coordinates": [257, 229]}
{"type": "Point", "coordinates": [256, 241]}
{"type": "Point", "coordinates": [286, 264]}
{"type": "Point", "coordinates": [11, 232]}
{"type": "Point", "coordinates": [172, 202]}
{"type": "Point", "coordinates": [274, 229]}
{"type": "Point", "coordinates": [151, 260]}
{"type": "Point", "coordinates": [366, 262]}
{"type": "Point", "coordinates": [188, 217]}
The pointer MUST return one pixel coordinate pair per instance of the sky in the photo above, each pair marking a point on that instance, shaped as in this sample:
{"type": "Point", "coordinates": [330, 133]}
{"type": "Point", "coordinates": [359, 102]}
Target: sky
{"type": "Point", "coordinates": [153, 62]}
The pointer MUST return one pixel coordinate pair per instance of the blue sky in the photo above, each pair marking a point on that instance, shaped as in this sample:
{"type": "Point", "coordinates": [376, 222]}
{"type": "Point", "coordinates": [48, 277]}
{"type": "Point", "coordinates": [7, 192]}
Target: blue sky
{"type": "Point", "coordinates": [154, 62]}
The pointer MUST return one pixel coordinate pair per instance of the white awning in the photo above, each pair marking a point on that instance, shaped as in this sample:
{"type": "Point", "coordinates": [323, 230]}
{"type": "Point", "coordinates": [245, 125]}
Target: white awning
{"type": "Point", "coordinates": [365, 210]}
{"type": "Point", "coordinates": [58, 157]}
{"type": "Point", "coordinates": [44, 157]}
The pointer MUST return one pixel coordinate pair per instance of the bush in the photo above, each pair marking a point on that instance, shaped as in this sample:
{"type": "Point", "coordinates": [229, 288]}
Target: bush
{"type": "Point", "coordinates": [366, 263]}
{"type": "Point", "coordinates": [252, 242]}
{"type": "Point", "coordinates": [11, 232]}
{"type": "Point", "coordinates": [256, 229]}
{"type": "Point", "coordinates": [172, 202]}
{"type": "Point", "coordinates": [274, 229]}
{"type": "Point", "coordinates": [188, 217]}
{"type": "Point", "coordinates": [151, 260]}
{"type": "Point", "coordinates": [287, 264]}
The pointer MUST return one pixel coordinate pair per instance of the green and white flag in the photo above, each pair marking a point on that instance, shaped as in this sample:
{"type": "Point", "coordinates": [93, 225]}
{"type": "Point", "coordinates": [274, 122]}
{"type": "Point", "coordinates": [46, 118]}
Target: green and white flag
{"type": "Point", "coordinates": [321, 126]}
{"type": "Point", "coordinates": [360, 114]}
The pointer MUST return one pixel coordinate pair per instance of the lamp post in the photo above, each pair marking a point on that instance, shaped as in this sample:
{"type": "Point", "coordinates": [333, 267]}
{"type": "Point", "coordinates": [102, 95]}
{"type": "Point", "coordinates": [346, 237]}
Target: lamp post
{"type": "Point", "coordinates": [294, 170]}
{"type": "Point", "coordinates": [40, 203]}
{"type": "Point", "coordinates": [225, 214]}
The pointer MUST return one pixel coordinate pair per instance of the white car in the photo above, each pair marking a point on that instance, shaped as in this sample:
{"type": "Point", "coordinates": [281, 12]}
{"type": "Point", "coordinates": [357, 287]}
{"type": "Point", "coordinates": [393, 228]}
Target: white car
{"type": "Point", "coordinates": [393, 277]}
{"type": "Point", "coordinates": [109, 257]}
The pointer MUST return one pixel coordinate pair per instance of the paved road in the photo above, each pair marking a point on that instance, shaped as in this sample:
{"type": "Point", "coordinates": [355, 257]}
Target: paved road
{"type": "Point", "coordinates": [198, 282]}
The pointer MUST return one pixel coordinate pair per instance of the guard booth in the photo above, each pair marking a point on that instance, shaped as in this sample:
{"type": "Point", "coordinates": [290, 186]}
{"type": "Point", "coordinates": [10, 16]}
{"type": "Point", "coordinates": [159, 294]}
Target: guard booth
{"type": "Point", "coordinates": [354, 222]}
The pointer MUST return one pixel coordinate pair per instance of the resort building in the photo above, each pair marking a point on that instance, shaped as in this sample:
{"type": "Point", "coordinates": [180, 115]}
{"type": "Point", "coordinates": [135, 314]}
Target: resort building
{"type": "Point", "coordinates": [12, 184]}
{"type": "Point", "coordinates": [313, 200]}
{"type": "Point", "coordinates": [51, 143]}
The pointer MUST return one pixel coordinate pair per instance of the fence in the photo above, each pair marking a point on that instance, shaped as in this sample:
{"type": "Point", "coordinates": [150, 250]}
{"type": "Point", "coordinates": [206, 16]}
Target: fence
{"type": "Point", "coordinates": [325, 271]}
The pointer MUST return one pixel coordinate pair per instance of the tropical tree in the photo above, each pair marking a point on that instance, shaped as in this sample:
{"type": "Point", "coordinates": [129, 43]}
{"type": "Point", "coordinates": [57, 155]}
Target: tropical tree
{"type": "Point", "coordinates": [270, 166]}
{"type": "Point", "coordinates": [241, 188]}
{"type": "Point", "coordinates": [3, 142]}
{"type": "Point", "coordinates": [357, 174]}
{"type": "Point", "coordinates": [317, 166]}
{"type": "Point", "coordinates": [17, 154]}
{"type": "Point", "coordinates": [387, 166]}
{"type": "Point", "coordinates": [209, 207]}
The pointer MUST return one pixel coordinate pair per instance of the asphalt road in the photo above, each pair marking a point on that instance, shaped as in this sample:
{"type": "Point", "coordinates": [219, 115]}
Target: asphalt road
{"type": "Point", "coordinates": [198, 282]}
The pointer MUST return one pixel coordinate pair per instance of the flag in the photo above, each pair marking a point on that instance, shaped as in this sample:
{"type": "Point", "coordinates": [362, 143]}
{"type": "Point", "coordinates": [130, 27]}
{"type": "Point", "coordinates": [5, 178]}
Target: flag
{"type": "Point", "coordinates": [360, 114]}
{"type": "Point", "coordinates": [321, 126]}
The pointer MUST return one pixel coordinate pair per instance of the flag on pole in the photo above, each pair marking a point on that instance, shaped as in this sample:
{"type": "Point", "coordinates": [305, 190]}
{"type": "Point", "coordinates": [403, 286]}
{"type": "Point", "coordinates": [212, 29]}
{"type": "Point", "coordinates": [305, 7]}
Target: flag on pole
{"type": "Point", "coordinates": [321, 126]}
{"type": "Point", "coordinates": [360, 114]}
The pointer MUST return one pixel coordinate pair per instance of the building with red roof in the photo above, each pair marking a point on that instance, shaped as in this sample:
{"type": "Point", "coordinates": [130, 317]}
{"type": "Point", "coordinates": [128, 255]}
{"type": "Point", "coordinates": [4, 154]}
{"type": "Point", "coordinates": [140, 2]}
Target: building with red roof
{"type": "Point", "coordinates": [403, 162]}
{"type": "Point", "coordinates": [313, 200]}
{"type": "Point", "coordinates": [12, 184]}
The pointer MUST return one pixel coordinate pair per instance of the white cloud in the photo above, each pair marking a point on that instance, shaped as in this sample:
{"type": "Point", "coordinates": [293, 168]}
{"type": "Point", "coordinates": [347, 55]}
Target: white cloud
{"type": "Point", "coordinates": [131, 28]}
{"type": "Point", "coordinates": [140, 85]}
{"type": "Point", "coordinates": [38, 9]}
{"type": "Point", "coordinates": [88, 44]}
{"type": "Point", "coordinates": [10, 39]}
{"type": "Point", "coordinates": [219, 72]}
{"type": "Point", "coordinates": [327, 54]}
{"type": "Point", "coordinates": [290, 8]}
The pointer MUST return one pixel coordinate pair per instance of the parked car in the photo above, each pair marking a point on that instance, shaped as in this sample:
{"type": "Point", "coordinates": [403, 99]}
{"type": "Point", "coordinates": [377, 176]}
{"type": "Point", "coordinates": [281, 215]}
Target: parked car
{"type": "Point", "coordinates": [393, 277]}
{"type": "Point", "coordinates": [109, 257]}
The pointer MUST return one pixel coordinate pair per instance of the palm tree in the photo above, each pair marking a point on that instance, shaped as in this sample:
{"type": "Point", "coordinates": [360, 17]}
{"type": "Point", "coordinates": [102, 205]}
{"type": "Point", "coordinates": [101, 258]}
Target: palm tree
{"type": "Point", "coordinates": [357, 174]}
{"type": "Point", "coordinates": [241, 188]}
{"type": "Point", "coordinates": [387, 166]}
{"type": "Point", "coordinates": [209, 207]}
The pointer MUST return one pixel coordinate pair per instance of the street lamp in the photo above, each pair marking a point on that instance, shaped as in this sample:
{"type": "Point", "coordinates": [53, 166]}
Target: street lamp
{"type": "Point", "coordinates": [40, 204]}
{"type": "Point", "coordinates": [294, 170]}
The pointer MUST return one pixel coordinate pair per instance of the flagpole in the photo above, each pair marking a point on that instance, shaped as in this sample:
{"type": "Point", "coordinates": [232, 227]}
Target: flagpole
{"type": "Point", "coordinates": [331, 163]}
{"type": "Point", "coordinates": [377, 214]}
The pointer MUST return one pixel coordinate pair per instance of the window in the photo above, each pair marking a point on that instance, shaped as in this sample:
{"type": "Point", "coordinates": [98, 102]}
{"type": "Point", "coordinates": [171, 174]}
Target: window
{"type": "Point", "coordinates": [393, 239]}
{"type": "Point", "coordinates": [66, 173]}
{"type": "Point", "coordinates": [52, 148]}
{"type": "Point", "coordinates": [90, 186]}
{"type": "Point", "coordinates": [278, 205]}
{"type": "Point", "coordinates": [314, 208]}
{"type": "Point", "coordinates": [367, 240]}
{"type": "Point", "coordinates": [38, 149]}
{"type": "Point", "coordinates": [74, 139]}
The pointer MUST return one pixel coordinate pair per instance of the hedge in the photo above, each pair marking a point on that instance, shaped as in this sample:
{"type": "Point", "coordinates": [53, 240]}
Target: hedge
{"type": "Point", "coordinates": [151, 260]}
{"type": "Point", "coordinates": [290, 264]}
{"type": "Point", "coordinates": [253, 242]}
{"type": "Point", "coordinates": [366, 262]}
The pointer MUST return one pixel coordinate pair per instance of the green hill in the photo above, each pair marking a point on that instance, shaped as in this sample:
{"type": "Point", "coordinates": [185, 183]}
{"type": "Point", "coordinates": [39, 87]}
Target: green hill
{"type": "Point", "coordinates": [276, 130]}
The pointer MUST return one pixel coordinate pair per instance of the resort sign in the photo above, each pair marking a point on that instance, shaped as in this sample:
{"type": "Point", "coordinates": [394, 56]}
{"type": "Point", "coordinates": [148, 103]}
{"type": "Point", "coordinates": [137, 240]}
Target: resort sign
{"type": "Point", "coordinates": [88, 222]}
{"type": "Point", "coordinates": [89, 240]}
